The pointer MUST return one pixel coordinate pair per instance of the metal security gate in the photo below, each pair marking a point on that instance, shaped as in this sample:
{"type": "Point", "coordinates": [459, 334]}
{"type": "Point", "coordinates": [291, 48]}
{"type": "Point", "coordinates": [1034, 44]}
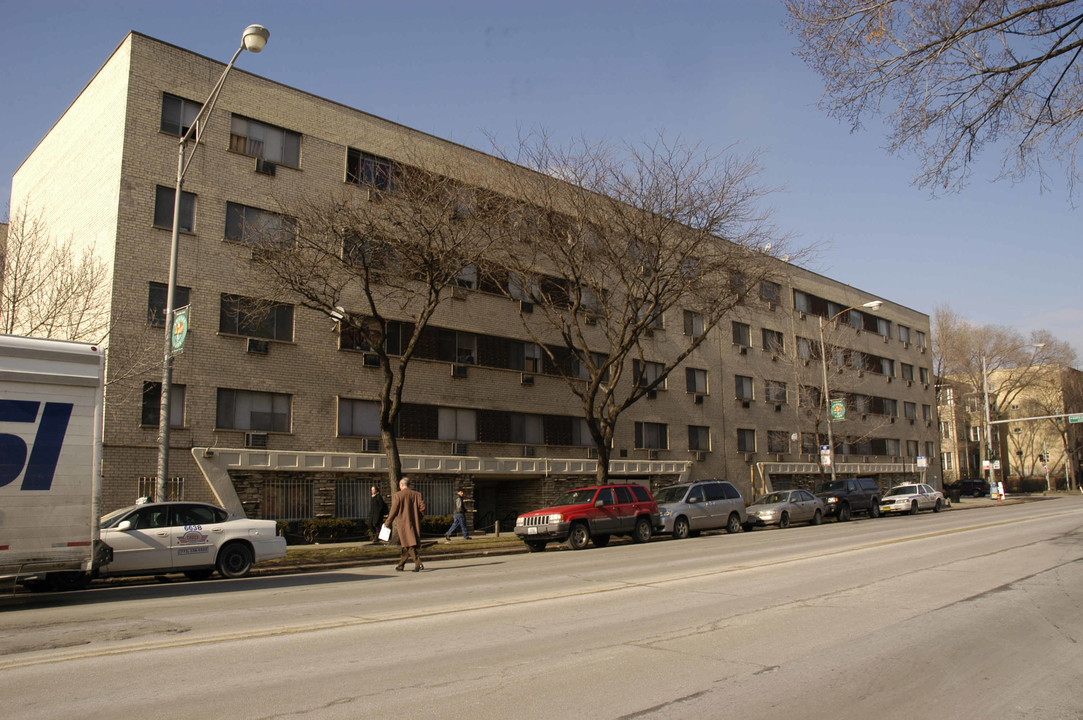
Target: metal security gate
{"type": "Point", "coordinates": [286, 500]}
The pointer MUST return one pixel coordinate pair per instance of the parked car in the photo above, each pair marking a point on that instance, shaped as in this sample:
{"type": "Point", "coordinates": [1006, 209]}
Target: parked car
{"type": "Point", "coordinates": [975, 487]}
{"type": "Point", "coordinates": [188, 537]}
{"type": "Point", "coordinates": [784, 507]}
{"type": "Point", "coordinates": [911, 498]}
{"type": "Point", "coordinates": [691, 508]}
{"type": "Point", "coordinates": [592, 514]}
{"type": "Point", "coordinates": [842, 498]}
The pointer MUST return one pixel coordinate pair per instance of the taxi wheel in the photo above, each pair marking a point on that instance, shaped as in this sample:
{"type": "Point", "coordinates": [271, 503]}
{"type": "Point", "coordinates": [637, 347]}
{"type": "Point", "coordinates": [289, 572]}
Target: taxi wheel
{"type": "Point", "coordinates": [234, 560]}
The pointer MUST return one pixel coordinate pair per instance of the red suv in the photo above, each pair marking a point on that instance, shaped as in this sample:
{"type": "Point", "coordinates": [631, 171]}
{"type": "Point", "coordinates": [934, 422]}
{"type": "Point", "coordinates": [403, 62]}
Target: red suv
{"type": "Point", "coordinates": [592, 513]}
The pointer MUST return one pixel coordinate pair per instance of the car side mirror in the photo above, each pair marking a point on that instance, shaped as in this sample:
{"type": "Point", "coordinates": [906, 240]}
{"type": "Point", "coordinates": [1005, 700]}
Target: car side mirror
{"type": "Point", "coordinates": [694, 499]}
{"type": "Point", "coordinates": [124, 525]}
{"type": "Point", "coordinates": [599, 503]}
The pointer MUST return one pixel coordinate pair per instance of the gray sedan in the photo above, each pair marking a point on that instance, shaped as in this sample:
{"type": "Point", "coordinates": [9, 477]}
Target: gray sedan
{"type": "Point", "coordinates": [784, 507]}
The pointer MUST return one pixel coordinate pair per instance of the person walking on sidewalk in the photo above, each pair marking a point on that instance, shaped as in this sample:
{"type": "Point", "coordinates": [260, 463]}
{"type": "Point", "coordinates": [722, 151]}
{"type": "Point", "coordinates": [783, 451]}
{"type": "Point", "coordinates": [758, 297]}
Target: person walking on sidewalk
{"type": "Point", "coordinates": [407, 509]}
{"type": "Point", "coordinates": [377, 511]}
{"type": "Point", "coordinates": [458, 517]}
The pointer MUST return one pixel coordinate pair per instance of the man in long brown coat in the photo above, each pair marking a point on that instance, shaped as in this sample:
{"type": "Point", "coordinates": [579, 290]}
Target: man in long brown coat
{"type": "Point", "coordinates": [407, 509]}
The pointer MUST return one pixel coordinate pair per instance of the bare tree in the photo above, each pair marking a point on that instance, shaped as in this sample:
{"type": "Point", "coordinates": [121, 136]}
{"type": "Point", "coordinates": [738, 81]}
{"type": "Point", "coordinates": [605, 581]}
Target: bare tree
{"type": "Point", "coordinates": [378, 261]}
{"type": "Point", "coordinates": [50, 287]}
{"type": "Point", "coordinates": [1013, 362]}
{"type": "Point", "coordinates": [623, 241]}
{"type": "Point", "coordinates": [950, 77]}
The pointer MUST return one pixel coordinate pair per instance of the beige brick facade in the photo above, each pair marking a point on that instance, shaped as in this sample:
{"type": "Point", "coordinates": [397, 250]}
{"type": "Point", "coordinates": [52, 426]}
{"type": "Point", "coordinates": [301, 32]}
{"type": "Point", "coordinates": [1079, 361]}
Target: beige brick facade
{"type": "Point", "coordinates": [95, 175]}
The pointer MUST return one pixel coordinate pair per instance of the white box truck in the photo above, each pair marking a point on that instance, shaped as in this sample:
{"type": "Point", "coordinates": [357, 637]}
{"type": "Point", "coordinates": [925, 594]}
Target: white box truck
{"type": "Point", "coordinates": [51, 399]}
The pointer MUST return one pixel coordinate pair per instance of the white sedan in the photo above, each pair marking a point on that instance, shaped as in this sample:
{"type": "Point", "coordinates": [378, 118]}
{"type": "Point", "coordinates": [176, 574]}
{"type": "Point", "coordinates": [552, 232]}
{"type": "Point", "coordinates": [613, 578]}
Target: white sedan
{"type": "Point", "coordinates": [187, 537]}
{"type": "Point", "coordinates": [912, 498]}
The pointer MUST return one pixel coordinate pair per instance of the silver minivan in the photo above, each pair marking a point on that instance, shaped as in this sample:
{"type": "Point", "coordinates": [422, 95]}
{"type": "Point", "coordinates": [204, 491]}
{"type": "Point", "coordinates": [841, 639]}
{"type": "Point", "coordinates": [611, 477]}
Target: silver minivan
{"type": "Point", "coordinates": [690, 508]}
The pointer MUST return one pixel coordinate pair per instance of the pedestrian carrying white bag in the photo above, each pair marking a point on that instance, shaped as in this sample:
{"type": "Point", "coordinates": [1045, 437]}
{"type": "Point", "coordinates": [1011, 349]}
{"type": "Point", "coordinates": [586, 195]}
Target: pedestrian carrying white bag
{"type": "Point", "coordinates": [385, 533]}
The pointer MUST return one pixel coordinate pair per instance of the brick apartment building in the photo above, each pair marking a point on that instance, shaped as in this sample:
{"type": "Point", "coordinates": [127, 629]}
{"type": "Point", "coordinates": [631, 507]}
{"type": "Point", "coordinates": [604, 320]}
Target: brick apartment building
{"type": "Point", "coordinates": [263, 418]}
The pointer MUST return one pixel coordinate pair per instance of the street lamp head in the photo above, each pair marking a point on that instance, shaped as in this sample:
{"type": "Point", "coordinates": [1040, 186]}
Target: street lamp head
{"type": "Point", "coordinates": [255, 38]}
{"type": "Point", "coordinates": [873, 305]}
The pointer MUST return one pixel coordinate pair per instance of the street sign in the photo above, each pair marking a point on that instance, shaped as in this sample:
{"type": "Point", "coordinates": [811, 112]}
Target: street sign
{"type": "Point", "coordinates": [1075, 418]}
{"type": "Point", "coordinates": [923, 461]}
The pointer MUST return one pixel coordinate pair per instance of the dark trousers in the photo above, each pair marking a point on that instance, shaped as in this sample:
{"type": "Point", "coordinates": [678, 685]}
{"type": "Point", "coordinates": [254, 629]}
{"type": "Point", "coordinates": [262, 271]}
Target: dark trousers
{"type": "Point", "coordinates": [411, 553]}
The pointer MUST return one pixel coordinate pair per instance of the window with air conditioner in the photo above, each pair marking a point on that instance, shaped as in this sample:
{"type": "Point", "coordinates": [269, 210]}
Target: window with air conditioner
{"type": "Point", "coordinates": [251, 317]}
{"type": "Point", "coordinates": [743, 388]}
{"type": "Point", "coordinates": [358, 418]}
{"type": "Point", "coordinates": [771, 292]}
{"type": "Point", "coordinates": [693, 323]}
{"type": "Point", "coordinates": [773, 341]}
{"type": "Point", "coordinates": [524, 356]}
{"type": "Point", "coordinates": [774, 391]}
{"type": "Point", "coordinates": [260, 140]}
{"type": "Point", "coordinates": [250, 410]}
{"type": "Point", "coordinates": [695, 381]}
{"type": "Point", "coordinates": [904, 333]}
{"type": "Point", "coordinates": [651, 436]}
{"type": "Point", "coordinates": [646, 372]}
{"type": "Point", "coordinates": [746, 440]}
{"type": "Point", "coordinates": [742, 334]}
{"type": "Point", "coordinates": [457, 424]}
{"type": "Point", "coordinates": [526, 429]}
{"type": "Point", "coordinates": [906, 372]}
{"type": "Point", "coordinates": [924, 374]}
{"type": "Point", "coordinates": [458, 347]}
{"type": "Point", "coordinates": [699, 438]}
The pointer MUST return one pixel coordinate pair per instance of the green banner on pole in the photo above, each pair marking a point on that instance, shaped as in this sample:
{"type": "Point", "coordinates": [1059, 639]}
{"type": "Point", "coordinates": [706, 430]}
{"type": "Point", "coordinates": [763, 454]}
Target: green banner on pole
{"type": "Point", "coordinates": [838, 409]}
{"type": "Point", "coordinates": [180, 329]}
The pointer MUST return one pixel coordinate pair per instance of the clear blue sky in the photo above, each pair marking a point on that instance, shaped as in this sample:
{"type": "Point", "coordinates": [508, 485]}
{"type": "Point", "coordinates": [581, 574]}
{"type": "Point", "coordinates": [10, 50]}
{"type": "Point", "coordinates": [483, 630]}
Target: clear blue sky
{"type": "Point", "coordinates": [716, 73]}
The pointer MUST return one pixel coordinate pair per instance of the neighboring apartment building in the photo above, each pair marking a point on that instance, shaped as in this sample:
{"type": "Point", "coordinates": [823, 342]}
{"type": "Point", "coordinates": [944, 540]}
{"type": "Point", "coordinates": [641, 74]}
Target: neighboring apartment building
{"type": "Point", "coordinates": [275, 420]}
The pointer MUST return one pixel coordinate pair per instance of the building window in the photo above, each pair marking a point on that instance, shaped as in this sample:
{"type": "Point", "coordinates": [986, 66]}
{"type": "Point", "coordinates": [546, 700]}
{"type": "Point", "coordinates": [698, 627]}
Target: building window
{"type": "Point", "coordinates": [599, 360]}
{"type": "Point", "coordinates": [911, 448]}
{"type": "Point", "coordinates": [771, 292]}
{"type": "Point", "coordinates": [947, 461]}
{"type": "Point", "coordinates": [251, 137]}
{"type": "Point", "coordinates": [652, 436]}
{"type": "Point", "coordinates": [774, 391]}
{"type": "Point", "coordinates": [651, 314]}
{"type": "Point", "coordinates": [746, 440]}
{"type": "Point", "coordinates": [457, 424]}
{"type": "Point", "coordinates": [891, 447]}
{"type": "Point", "coordinates": [742, 334]}
{"type": "Point", "coordinates": [358, 418]}
{"type": "Point", "coordinates": [924, 372]}
{"type": "Point", "coordinates": [249, 410]}
{"type": "Point", "coordinates": [695, 381]}
{"type": "Point", "coordinates": [152, 404]}
{"type": "Point", "coordinates": [524, 356]}
{"type": "Point", "coordinates": [693, 323]}
{"type": "Point", "coordinates": [467, 277]}
{"type": "Point", "coordinates": [255, 318]}
{"type": "Point", "coordinates": [887, 367]}
{"type": "Point", "coordinates": [906, 372]}
{"type": "Point", "coordinates": [809, 396]}
{"type": "Point", "coordinates": [928, 449]}
{"type": "Point", "coordinates": [458, 347]}
{"type": "Point", "coordinates": [945, 429]}
{"type": "Point", "coordinates": [773, 341]}
{"type": "Point", "coordinates": [920, 338]}
{"type": "Point", "coordinates": [379, 173]}
{"type": "Point", "coordinates": [743, 387]}
{"type": "Point", "coordinates": [904, 333]}
{"type": "Point", "coordinates": [253, 226]}
{"type": "Point", "coordinates": [926, 412]}
{"type": "Point", "coordinates": [157, 296]}
{"type": "Point", "coordinates": [910, 411]}
{"type": "Point", "coordinates": [645, 373]}
{"type": "Point", "coordinates": [178, 114]}
{"type": "Point", "coordinates": [581, 436]}
{"type": "Point", "coordinates": [163, 209]}
{"type": "Point", "coordinates": [699, 438]}
{"type": "Point", "coordinates": [527, 429]}
{"type": "Point", "coordinates": [778, 441]}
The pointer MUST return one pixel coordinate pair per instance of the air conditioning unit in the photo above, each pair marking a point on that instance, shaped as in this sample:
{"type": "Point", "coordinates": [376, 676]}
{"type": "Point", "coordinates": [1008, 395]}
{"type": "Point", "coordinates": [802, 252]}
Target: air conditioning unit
{"type": "Point", "coordinates": [459, 448]}
{"type": "Point", "coordinates": [648, 333]}
{"type": "Point", "coordinates": [746, 404]}
{"type": "Point", "coordinates": [804, 315]}
{"type": "Point", "coordinates": [744, 350]}
{"type": "Point", "coordinates": [370, 445]}
{"type": "Point", "coordinates": [255, 440]}
{"type": "Point", "coordinates": [749, 456]}
{"type": "Point", "coordinates": [526, 307]}
{"type": "Point", "coordinates": [370, 360]}
{"type": "Point", "coordinates": [906, 345]}
{"type": "Point", "coordinates": [778, 408]}
{"type": "Point", "coordinates": [529, 451]}
{"type": "Point", "coordinates": [771, 306]}
{"type": "Point", "coordinates": [458, 371]}
{"type": "Point", "coordinates": [886, 338]}
{"type": "Point", "coordinates": [592, 453]}
{"type": "Point", "coordinates": [922, 350]}
{"type": "Point", "coordinates": [698, 399]}
{"type": "Point", "coordinates": [909, 383]}
{"type": "Point", "coordinates": [778, 457]}
{"type": "Point", "coordinates": [889, 378]}
{"type": "Point", "coordinates": [701, 456]}
{"type": "Point", "coordinates": [458, 293]}
{"type": "Point", "coordinates": [774, 358]}
{"type": "Point", "coordinates": [591, 320]}
{"type": "Point", "coordinates": [892, 421]}
{"type": "Point", "coordinates": [526, 379]}
{"type": "Point", "coordinates": [652, 454]}
{"type": "Point", "coordinates": [258, 347]}
{"type": "Point", "coordinates": [652, 394]}
{"type": "Point", "coordinates": [265, 167]}
{"type": "Point", "coordinates": [911, 421]}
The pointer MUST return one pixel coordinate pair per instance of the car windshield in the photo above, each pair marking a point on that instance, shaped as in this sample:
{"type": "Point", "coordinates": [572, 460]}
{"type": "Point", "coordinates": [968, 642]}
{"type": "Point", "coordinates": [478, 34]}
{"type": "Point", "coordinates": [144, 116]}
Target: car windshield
{"type": "Point", "coordinates": [108, 520]}
{"type": "Point", "coordinates": [903, 490]}
{"type": "Point", "coordinates": [771, 498]}
{"type": "Point", "coordinates": [575, 497]}
{"type": "Point", "coordinates": [834, 486]}
{"type": "Point", "coordinates": [671, 494]}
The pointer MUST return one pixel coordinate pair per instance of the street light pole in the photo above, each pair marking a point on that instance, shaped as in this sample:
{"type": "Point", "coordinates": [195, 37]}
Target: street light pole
{"type": "Point", "coordinates": [872, 305]}
{"type": "Point", "coordinates": [253, 39]}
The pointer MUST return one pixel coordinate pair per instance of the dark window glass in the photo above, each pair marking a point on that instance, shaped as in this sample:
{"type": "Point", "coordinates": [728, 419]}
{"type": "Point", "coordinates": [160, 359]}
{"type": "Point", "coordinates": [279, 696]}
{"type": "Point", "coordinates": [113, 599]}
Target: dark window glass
{"type": "Point", "coordinates": [178, 114]}
{"type": "Point", "coordinates": [157, 295]}
{"type": "Point", "coordinates": [163, 209]}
